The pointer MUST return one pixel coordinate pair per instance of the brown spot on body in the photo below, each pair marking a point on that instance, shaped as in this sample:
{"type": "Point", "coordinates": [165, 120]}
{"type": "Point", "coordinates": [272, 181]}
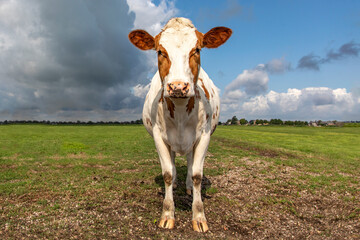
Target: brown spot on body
{"type": "Point", "coordinates": [196, 179]}
{"type": "Point", "coordinates": [170, 106]}
{"type": "Point", "coordinates": [197, 93]}
{"type": "Point", "coordinates": [167, 178]}
{"type": "Point", "coordinates": [148, 122]}
{"type": "Point", "coordinates": [213, 130]}
{"type": "Point", "coordinates": [214, 116]}
{"type": "Point", "coordinates": [207, 116]}
{"type": "Point", "coordinates": [162, 96]}
{"type": "Point", "coordinates": [190, 105]}
{"type": "Point", "coordinates": [207, 95]}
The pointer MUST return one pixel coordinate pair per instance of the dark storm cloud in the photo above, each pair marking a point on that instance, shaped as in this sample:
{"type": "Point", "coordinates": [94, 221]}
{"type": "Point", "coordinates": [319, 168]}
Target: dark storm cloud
{"type": "Point", "coordinates": [69, 55]}
{"type": "Point", "coordinates": [310, 61]}
{"type": "Point", "coordinates": [313, 62]}
{"type": "Point", "coordinates": [348, 49]}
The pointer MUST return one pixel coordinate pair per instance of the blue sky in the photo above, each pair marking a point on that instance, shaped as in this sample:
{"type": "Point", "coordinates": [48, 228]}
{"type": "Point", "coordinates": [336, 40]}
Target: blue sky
{"type": "Point", "coordinates": [71, 59]}
{"type": "Point", "coordinates": [264, 30]}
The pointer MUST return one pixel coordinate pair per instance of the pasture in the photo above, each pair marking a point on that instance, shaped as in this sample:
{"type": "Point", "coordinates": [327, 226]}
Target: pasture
{"type": "Point", "coordinates": [87, 182]}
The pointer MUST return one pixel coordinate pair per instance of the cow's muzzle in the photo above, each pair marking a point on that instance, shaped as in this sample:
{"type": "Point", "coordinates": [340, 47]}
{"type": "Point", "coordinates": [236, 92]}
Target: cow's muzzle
{"type": "Point", "coordinates": [178, 89]}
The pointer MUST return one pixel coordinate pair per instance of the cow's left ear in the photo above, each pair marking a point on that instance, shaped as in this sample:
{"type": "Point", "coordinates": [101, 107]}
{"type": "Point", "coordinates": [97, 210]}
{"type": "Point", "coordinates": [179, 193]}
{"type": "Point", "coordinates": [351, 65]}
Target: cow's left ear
{"type": "Point", "coordinates": [216, 37]}
{"type": "Point", "coordinates": [142, 39]}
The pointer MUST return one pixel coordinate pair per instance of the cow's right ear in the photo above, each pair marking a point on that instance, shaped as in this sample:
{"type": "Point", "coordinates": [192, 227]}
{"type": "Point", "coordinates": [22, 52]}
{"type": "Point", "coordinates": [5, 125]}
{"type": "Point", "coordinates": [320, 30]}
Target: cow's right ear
{"type": "Point", "coordinates": [142, 39]}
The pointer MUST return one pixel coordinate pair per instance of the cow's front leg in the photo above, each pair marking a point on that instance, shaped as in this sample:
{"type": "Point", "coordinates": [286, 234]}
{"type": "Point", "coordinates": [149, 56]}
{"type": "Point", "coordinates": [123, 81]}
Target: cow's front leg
{"type": "Point", "coordinates": [167, 166]}
{"type": "Point", "coordinates": [199, 221]}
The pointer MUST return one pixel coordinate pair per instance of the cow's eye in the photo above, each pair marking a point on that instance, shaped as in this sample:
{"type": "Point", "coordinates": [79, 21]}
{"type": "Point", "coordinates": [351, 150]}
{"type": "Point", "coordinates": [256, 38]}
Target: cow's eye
{"type": "Point", "coordinates": [160, 53]}
{"type": "Point", "coordinates": [197, 50]}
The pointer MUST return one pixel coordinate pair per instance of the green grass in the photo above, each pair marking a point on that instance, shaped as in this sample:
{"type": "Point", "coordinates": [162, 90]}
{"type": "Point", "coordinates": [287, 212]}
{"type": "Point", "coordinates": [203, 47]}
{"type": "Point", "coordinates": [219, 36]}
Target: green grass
{"type": "Point", "coordinates": [54, 176]}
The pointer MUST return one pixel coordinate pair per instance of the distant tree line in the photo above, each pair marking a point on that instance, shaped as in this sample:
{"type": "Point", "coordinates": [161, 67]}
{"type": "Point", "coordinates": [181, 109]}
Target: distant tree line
{"type": "Point", "coordinates": [78, 122]}
{"type": "Point", "coordinates": [275, 121]}
{"type": "Point", "coordinates": [233, 121]}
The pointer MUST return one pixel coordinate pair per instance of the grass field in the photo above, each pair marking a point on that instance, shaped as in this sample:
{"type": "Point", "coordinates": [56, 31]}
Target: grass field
{"type": "Point", "coordinates": [88, 182]}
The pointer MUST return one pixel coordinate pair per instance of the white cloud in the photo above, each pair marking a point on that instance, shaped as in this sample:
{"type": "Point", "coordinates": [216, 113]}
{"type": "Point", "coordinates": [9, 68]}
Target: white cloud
{"type": "Point", "coordinates": [141, 90]}
{"type": "Point", "coordinates": [247, 96]}
{"type": "Point", "coordinates": [253, 81]}
{"type": "Point", "coordinates": [296, 104]}
{"type": "Point", "coordinates": [150, 17]}
{"type": "Point", "coordinates": [278, 65]}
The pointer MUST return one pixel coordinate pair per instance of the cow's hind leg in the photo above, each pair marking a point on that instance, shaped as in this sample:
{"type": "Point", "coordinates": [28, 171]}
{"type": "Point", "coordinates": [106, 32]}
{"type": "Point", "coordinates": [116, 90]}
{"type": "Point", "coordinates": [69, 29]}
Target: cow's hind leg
{"type": "Point", "coordinates": [167, 166]}
{"type": "Point", "coordinates": [199, 221]}
{"type": "Point", "coordinates": [189, 181]}
{"type": "Point", "coordinates": [173, 155]}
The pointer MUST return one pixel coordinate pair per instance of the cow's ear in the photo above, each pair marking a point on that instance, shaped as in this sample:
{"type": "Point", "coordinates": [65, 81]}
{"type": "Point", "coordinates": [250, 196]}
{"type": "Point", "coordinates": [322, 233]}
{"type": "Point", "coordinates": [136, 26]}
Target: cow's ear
{"type": "Point", "coordinates": [142, 39]}
{"type": "Point", "coordinates": [216, 37]}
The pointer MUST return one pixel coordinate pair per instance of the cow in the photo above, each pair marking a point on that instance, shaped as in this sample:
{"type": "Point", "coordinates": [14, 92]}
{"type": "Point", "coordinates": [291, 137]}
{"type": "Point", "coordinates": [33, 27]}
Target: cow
{"type": "Point", "coordinates": [181, 109]}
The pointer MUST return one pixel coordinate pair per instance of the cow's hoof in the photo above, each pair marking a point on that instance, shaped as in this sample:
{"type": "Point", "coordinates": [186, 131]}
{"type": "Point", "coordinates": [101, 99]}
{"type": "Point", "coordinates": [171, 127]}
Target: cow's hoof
{"type": "Point", "coordinates": [200, 226]}
{"type": "Point", "coordinates": [188, 192]}
{"type": "Point", "coordinates": [167, 223]}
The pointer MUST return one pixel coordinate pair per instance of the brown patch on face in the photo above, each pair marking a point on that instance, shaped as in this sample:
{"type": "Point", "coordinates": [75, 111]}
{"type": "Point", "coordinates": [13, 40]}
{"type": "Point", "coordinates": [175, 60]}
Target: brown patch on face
{"type": "Point", "coordinates": [205, 90]}
{"type": "Point", "coordinates": [194, 62]}
{"type": "Point", "coordinates": [164, 62]}
{"type": "Point", "coordinates": [148, 122]}
{"type": "Point", "coordinates": [170, 106]}
{"type": "Point", "coordinates": [190, 105]}
{"type": "Point", "coordinates": [194, 56]}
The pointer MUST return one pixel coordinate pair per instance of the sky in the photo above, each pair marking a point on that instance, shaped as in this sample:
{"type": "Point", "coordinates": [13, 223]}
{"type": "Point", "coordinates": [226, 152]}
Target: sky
{"type": "Point", "coordinates": [71, 59]}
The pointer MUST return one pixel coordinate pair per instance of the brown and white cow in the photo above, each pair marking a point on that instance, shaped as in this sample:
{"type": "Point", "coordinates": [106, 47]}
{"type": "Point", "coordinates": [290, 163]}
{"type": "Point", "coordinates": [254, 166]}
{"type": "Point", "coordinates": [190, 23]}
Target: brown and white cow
{"type": "Point", "coordinates": [182, 107]}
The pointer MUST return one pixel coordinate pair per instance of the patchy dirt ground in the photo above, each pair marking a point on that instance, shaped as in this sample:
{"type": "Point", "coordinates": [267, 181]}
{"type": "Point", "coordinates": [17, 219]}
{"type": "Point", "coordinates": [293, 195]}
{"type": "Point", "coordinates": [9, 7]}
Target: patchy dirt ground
{"type": "Point", "coordinates": [252, 201]}
{"type": "Point", "coordinates": [279, 210]}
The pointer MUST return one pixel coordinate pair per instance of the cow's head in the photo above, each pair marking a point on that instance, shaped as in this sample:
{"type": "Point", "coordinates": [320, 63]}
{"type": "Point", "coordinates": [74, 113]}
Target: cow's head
{"type": "Point", "coordinates": [178, 48]}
